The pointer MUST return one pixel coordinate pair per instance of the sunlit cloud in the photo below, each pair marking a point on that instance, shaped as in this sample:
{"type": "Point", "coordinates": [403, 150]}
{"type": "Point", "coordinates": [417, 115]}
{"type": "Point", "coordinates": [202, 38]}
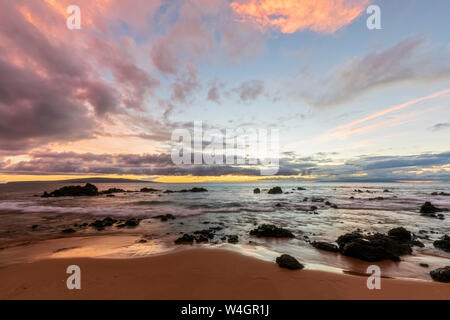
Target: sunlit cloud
{"type": "Point", "coordinates": [289, 16]}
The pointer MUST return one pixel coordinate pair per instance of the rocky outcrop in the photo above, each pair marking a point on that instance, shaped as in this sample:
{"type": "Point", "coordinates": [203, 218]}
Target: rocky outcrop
{"type": "Point", "coordinates": [325, 246]}
{"type": "Point", "coordinates": [441, 274]}
{"type": "Point", "coordinates": [102, 224]}
{"type": "Point", "coordinates": [186, 238]}
{"type": "Point", "coordinates": [443, 243]}
{"type": "Point", "coordinates": [256, 190]}
{"type": "Point", "coordinates": [275, 190]}
{"type": "Point", "coordinates": [429, 210]}
{"type": "Point", "coordinates": [270, 230]}
{"type": "Point", "coordinates": [69, 230]}
{"type": "Point", "coordinates": [131, 223]}
{"type": "Point", "coordinates": [232, 238]}
{"type": "Point", "coordinates": [149, 190]}
{"type": "Point", "coordinates": [440, 194]}
{"type": "Point", "coordinates": [73, 191]}
{"type": "Point", "coordinates": [377, 247]}
{"type": "Point", "coordinates": [288, 262]}
{"type": "Point", "coordinates": [195, 189]}
{"type": "Point", "coordinates": [112, 190]}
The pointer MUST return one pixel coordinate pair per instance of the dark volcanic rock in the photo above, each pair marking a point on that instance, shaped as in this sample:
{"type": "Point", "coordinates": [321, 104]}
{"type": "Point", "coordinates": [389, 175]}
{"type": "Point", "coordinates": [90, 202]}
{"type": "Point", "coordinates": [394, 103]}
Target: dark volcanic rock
{"type": "Point", "coordinates": [443, 243]}
{"type": "Point", "coordinates": [374, 247]}
{"type": "Point", "coordinates": [256, 190]}
{"type": "Point", "coordinates": [132, 222]}
{"type": "Point", "coordinates": [233, 238]}
{"type": "Point", "coordinates": [165, 217]}
{"type": "Point", "coordinates": [275, 190]}
{"type": "Point", "coordinates": [400, 234]}
{"type": "Point", "coordinates": [288, 262]}
{"type": "Point", "coordinates": [270, 230]}
{"type": "Point", "coordinates": [149, 190]}
{"type": "Point", "coordinates": [69, 230]}
{"type": "Point", "coordinates": [440, 194]}
{"type": "Point", "coordinates": [112, 190]}
{"type": "Point", "coordinates": [186, 238]}
{"type": "Point", "coordinates": [300, 188]}
{"type": "Point", "coordinates": [206, 233]}
{"type": "Point", "coordinates": [195, 189]}
{"type": "Point", "coordinates": [101, 224]}
{"type": "Point", "coordinates": [325, 246]}
{"type": "Point", "coordinates": [429, 210]}
{"type": "Point", "coordinates": [73, 191]}
{"type": "Point", "coordinates": [313, 208]}
{"type": "Point", "coordinates": [441, 274]}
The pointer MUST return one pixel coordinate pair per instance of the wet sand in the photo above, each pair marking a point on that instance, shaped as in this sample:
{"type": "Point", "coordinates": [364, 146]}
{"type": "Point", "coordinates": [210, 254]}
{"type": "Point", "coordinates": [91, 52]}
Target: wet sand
{"type": "Point", "coordinates": [198, 274]}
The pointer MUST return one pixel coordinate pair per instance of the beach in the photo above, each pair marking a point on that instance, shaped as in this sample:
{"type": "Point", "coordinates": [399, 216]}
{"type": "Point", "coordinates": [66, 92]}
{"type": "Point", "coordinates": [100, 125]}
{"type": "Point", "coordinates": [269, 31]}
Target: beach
{"type": "Point", "coordinates": [198, 274]}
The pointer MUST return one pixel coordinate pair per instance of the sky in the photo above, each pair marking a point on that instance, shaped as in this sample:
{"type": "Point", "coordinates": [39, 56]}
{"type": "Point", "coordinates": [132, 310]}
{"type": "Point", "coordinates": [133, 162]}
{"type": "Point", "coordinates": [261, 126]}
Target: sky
{"type": "Point", "coordinates": [350, 103]}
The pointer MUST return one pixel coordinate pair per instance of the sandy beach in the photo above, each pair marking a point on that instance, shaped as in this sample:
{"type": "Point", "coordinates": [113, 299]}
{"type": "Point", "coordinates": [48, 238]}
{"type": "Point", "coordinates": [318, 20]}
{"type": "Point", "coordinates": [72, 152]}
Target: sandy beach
{"type": "Point", "coordinates": [198, 274]}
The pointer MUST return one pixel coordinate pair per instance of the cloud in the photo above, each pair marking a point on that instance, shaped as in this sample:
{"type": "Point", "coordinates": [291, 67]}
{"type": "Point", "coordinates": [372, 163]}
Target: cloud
{"type": "Point", "coordinates": [440, 126]}
{"type": "Point", "coordinates": [289, 16]}
{"type": "Point", "coordinates": [249, 90]}
{"type": "Point", "coordinates": [408, 60]}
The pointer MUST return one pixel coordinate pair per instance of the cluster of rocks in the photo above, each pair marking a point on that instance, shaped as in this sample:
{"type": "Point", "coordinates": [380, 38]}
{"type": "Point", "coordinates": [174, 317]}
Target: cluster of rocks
{"type": "Point", "coordinates": [91, 190]}
{"type": "Point", "coordinates": [73, 191]}
{"type": "Point", "coordinates": [270, 230]}
{"type": "Point", "coordinates": [441, 274]}
{"type": "Point", "coordinates": [440, 194]}
{"type": "Point", "coordinates": [165, 217]}
{"type": "Point", "coordinates": [429, 210]}
{"type": "Point", "coordinates": [205, 235]}
{"type": "Point", "coordinates": [102, 224]}
{"type": "Point", "coordinates": [275, 190]}
{"type": "Point", "coordinates": [377, 247]}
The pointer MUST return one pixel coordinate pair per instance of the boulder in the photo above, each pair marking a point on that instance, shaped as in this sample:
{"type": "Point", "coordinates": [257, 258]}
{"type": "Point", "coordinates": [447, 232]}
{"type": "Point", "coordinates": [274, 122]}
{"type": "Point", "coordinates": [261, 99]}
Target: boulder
{"type": "Point", "coordinates": [186, 238]}
{"type": "Point", "coordinates": [288, 262]}
{"type": "Point", "coordinates": [325, 246]}
{"type": "Point", "coordinates": [443, 243]}
{"type": "Point", "coordinates": [441, 274]}
{"type": "Point", "coordinates": [429, 210]}
{"type": "Point", "coordinates": [275, 190]}
{"type": "Point", "coordinates": [270, 230]}
{"type": "Point", "coordinates": [73, 191]}
{"type": "Point", "coordinates": [256, 190]}
{"type": "Point", "coordinates": [165, 217]}
{"type": "Point", "coordinates": [233, 238]}
{"type": "Point", "coordinates": [400, 234]}
{"type": "Point", "coordinates": [376, 247]}
{"type": "Point", "coordinates": [300, 188]}
{"type": "Point", "coordinates": [195, 189]}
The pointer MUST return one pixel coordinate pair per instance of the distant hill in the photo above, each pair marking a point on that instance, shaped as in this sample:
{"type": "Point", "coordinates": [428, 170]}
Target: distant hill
{"type": "Point", "coordinates": [90, 180]}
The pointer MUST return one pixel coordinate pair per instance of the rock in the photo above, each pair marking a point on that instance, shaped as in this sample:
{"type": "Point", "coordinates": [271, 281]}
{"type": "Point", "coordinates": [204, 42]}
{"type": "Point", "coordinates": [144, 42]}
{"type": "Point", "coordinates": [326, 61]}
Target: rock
{"type": "Point", "coordinates": [317, 200]}
{"type": "Point", "coordinates": [424, 265]}
{"type": "Point", "coordinates": [73, 191]}
{"type": "Point", "coordinates": [288, 262]}
{"type": "Point", "coordinates": [186, 238]}
{"type": "Point", "coordinates": [169, 191]}
{"type": "Point", "coordinates": [233, 238]}
{"type": "Point", "coordinates": [328, 203]}
{"type": "Point", "coordinates": [440, 194]}
{"type": "Point", "coordinates": [195, 189]}
{"type": "Point", "coordinates": [305, 199]}
{"type": "Point", "coordinates": [334, 206]}
{"type": "Point", "coordinates": [34, 227]}
{"type": "Point", "coordinates": [429, 210]}
{"type": "Point", "coordinates": [206, 233]}
{"type": "Point", "coordinates": [325, 246]}
{"type": "Point", "coordinates": [256, 190]}
{"type": "Point", "coordinates": [278, 205]}
{"type": "Point", "coordinates": [112, 190]}
{"type": "Point", "coordinates": [376, 247]}
{"type": "Point", "coordinates": [443, 244]}
{"type": "Point", "coordinates": [149, 190]}
{"type": "Point", "coordinates": [69, 230]}
{"type": "Point", "coordinates": [270, 230]}
{"type": "Point", "coordinates": [441, 274]}
{"type": "Point", "coordinates": [132, 222]}
{"type": "Point", "coordinates": [165, 217]}
{"type": "Point", "coordinates": [142, 241]}
{"type": "Point", "coordinates": [275, 190]}
{"type": "Point", "coordinates": [400, 234]}
{"type": "Point", "coordinates": [386, 190]}
{"type": "Point", "coordinates": [300, 188]}
{"type": "Point", "coordinates": [352, 198]}
{"type": "Point", "coordinates": [313, 208]}
{"type": "Point", "coordinates": [110, 195]}
{"type": "Point", "coordinates": [101, 224]}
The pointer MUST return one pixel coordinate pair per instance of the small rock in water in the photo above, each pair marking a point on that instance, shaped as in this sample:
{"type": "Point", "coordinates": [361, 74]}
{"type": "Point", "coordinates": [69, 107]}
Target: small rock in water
{"type": "Point", "coordinates": [186, 238]}
{"type": "Point", "coordinates": [325, 246]}
{"type": "Point", "coordinates": [270, 230]}
{"type": "Point", "coordinates": [424, 265]}
{"type": "Point", "coordinates": [288, 262]}
{"type": "Point", "coordinates": [256, 190]}
{"type": "Point", "coordinates": [233, 238]}
{"type": "Point", "coordinates": [400, 234]}
{"type": "Point", "coordinates": [443, 243]}
{"type": "Point", "coordinates": [429, 210]}
{"type": "Point", "coordinates": [275, 190]}
{"type": "Point", "coordinates": [69, 230]}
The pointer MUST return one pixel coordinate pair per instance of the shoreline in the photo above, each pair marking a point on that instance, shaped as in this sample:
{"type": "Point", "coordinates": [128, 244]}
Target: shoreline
{"type": "Point", "coordinates": [198, 274]}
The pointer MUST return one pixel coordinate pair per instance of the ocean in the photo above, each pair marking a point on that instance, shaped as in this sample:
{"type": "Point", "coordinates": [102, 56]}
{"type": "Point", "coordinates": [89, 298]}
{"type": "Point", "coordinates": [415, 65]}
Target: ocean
{"type": "Point", "coordinates": [30, 226]}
